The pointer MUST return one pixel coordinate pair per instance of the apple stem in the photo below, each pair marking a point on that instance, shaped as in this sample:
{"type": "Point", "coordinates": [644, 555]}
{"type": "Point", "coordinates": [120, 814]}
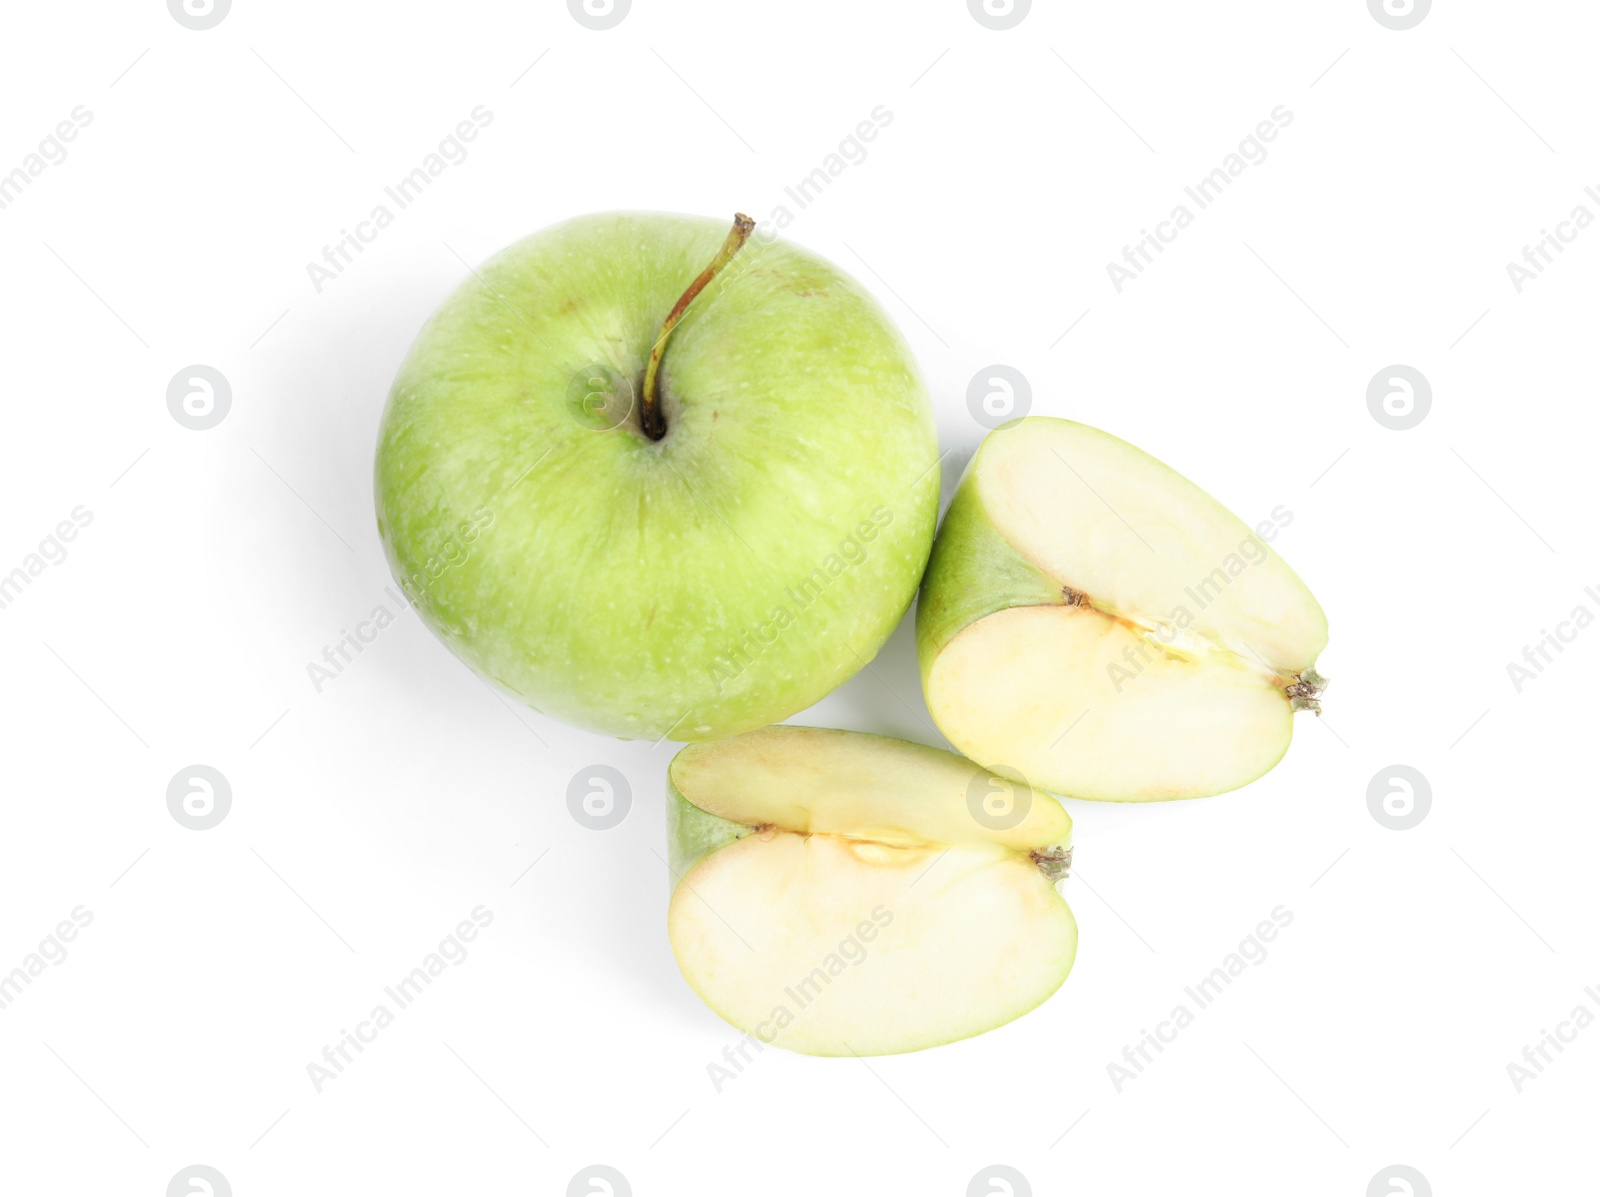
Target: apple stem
{"type": "Point", "coordinates": [650, 417]}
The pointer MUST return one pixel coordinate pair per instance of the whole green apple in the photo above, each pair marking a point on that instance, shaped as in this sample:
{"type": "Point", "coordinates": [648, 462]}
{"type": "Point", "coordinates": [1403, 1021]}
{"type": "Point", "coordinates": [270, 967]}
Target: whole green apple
{"type": "Point", "coordinates": [656, 480]}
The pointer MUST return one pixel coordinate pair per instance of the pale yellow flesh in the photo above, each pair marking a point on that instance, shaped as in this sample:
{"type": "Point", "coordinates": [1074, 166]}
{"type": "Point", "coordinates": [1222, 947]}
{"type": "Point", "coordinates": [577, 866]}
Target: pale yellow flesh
{"type": "Point", "coordinates": [810, 779]}
{"type": "Point", "coordinates": [832, 947]}
{"type": "Point", "coordinates": [1036, 691]}
{"type": "Point", "coordinates": [1145, 543]}
{"type": "Point", "coordinates": [1170, 680]}
{"type": "Point", "coordinates": [871, 912]}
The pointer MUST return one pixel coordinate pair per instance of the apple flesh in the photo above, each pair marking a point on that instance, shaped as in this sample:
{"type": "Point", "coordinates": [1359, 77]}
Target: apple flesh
{"type": "Point", "coordinates": [718, 570]}
{"type": "Point", "coordinates": [839, 893]}
{"type": "Point", "coordinates": [1093, 622]}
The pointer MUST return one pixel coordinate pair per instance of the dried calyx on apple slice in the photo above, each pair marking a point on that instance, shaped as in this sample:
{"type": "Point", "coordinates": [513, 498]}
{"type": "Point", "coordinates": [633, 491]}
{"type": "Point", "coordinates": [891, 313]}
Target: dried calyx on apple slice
{"type": "Point", "coordinates": [839, 893]}
{"type": "Point", "coordinates": [1094, 622]}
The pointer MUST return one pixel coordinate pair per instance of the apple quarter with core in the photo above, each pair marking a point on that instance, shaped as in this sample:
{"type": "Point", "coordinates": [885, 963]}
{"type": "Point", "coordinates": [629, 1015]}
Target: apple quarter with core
{"type": "Point", "coordinates": [1096, 624]}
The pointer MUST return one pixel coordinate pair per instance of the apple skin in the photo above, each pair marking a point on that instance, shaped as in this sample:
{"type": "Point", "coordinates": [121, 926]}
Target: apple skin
{"type": "Point", "coordinates": [974, 572]}
{"type": "Point", "coordinates": [719, 579]}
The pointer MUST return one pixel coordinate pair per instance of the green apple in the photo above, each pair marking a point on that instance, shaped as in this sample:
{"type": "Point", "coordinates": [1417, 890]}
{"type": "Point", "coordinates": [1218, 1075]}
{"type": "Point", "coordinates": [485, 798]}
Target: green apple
{"type": "Point", "coordinates": [1095, 623]}
{"type": "Point", "coordinates": [655, 481]}
{"type": "Point", "coordinates": [845, 894]}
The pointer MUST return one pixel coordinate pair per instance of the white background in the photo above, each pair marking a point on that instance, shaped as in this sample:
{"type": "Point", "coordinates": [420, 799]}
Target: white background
{"type": "Point", "coordinates": [370, 818]}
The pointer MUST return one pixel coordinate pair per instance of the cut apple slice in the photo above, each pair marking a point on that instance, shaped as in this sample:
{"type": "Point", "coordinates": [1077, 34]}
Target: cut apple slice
{"type": "Point", "coordinates": [1093, 622]}
{"type": "Point", "coordinates": [847, 894]}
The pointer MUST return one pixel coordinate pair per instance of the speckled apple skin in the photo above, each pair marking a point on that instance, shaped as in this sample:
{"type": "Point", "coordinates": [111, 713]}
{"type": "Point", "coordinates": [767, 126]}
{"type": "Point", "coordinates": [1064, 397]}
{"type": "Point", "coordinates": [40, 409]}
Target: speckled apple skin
{"type": "Point", "coordinates": [720, 579]}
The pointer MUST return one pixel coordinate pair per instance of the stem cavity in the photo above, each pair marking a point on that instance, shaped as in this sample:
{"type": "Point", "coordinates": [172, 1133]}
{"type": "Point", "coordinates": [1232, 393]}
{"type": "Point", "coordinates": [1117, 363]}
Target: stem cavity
{"type": "Point", "coordinates": [651, 420]}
